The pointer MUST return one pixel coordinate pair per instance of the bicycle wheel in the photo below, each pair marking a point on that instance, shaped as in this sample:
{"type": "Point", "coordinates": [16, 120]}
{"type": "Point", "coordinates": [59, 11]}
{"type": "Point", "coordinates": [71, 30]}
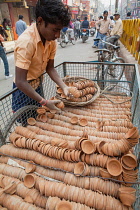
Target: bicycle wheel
{"type": "Point", "coordinates": [63, 42]}
{"type": "Point", "coordinates": [114, 73]}
{"type": "Point", "coordinates": [19, 118]}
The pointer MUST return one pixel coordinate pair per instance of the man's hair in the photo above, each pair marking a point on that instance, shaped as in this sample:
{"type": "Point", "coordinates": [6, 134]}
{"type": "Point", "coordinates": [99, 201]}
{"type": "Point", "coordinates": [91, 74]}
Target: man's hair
{"type": "Point", "coordinates": [101, 17]}
{"type": "Point", "coordinates": [128, 13]}
{"type": "Point", "coordinates": [53, 11]}
{"type": "Point", "coordinates": [111, 17]}
{"type": "Point", "coordinates": [20, 17]}
{"type": "Point", "coordinates": [105, 12]}
{"type": "Point", "coordinates": [85, 18]}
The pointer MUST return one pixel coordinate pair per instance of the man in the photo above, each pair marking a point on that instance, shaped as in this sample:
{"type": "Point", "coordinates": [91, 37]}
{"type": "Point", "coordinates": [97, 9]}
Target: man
{"type": "Point", "coordinates": [128, 15]}
{"type": "Point", "coordinates": [35, 51]}
{"type": "Point", "coordinates": [102, 27]}
{"type": "Point", "coordinates": [85, 23]}
{"type": "Point", "coordinates": [3, 37]}
{"type": "Point", "coordinates": [92, 23]}
{"type": "Point", "coordinates": [95, 44]}
{"type": "Point", "coordinates": [20, 25]}
{"type": "Point", "coordinates": [117, 30]}
{"type": "Point", "coordinates": [77, 25]}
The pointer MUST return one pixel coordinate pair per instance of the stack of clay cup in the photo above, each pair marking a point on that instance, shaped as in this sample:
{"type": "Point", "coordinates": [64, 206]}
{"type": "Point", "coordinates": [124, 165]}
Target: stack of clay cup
{"type": "Point", "coordinates": [82, 90]}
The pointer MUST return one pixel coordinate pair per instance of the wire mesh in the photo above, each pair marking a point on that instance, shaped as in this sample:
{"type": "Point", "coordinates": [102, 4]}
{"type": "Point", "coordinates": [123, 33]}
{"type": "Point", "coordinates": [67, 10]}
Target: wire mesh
{"type": "Point", "coordinates": [99, 72]}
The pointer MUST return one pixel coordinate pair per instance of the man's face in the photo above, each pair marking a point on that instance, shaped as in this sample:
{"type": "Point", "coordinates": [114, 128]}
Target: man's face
{"type": "Point", "coordinates": [105, 15]}
{"type": "Point", "coordinates": [117, 17]}
{"type": "Point", "coordinates": [49, 32]}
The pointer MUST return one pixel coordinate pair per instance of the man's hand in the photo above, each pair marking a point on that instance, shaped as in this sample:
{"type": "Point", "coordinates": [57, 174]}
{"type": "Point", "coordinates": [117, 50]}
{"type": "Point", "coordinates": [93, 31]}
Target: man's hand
{"type": "Point", "coordinates": [66, 91]}
{"type": "Point", "coordinates": [51, 104]}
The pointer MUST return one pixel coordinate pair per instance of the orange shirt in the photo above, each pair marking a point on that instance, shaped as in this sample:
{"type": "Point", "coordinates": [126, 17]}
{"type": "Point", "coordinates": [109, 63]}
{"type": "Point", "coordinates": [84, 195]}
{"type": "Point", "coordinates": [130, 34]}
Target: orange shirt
{"type": "Point", "coordinates": [30, 53]}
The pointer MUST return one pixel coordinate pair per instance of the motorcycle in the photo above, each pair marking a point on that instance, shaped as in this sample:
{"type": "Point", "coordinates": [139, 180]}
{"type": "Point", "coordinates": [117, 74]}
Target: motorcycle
{"type": "Point", "coordinates": [92, 31]}
{"type": "Point", "coordinates": [84, 34]}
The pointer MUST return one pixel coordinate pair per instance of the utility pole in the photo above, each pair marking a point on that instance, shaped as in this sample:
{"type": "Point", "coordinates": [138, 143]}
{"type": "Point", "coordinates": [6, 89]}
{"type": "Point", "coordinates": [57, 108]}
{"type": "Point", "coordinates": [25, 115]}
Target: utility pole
{"type": "Point", "coordinates": [116, 5]}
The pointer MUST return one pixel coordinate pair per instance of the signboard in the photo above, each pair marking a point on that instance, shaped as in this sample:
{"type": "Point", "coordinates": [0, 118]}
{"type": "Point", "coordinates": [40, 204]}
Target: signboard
{"type": "Point", "coordinates": [74, 10]}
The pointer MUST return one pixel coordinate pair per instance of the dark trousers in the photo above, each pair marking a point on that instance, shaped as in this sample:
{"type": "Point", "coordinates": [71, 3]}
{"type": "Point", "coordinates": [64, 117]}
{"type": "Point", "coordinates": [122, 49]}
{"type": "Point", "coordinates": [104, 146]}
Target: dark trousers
{"type": "Point", "coordinates": [78, 32]}
{"type": "Point", "coordinates": [5, 61]}
{"type": "Point", "coordinates": [19, 100]}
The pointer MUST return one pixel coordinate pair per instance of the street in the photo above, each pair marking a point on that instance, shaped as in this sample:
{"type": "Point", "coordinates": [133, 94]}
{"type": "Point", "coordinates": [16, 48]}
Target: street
{"type": "Point", "coordinates": [79, 52]}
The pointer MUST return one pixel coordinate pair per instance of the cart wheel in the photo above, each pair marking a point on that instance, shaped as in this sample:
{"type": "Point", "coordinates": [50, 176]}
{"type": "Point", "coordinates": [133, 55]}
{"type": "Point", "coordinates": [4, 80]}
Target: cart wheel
{"type": "Point", "coordinates": [19, 118]}
{"type": "Point", "coordinates": [114, 73]}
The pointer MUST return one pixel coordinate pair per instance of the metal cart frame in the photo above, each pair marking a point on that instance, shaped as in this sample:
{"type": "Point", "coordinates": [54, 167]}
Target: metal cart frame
{"type": "Point", "coordinates": [130, 80]}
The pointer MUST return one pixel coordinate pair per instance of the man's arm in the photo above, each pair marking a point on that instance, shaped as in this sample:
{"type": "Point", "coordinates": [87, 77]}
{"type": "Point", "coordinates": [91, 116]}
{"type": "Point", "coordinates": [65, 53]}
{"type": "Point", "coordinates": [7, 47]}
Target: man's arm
{"type": "Point", "coordinates": [26, 88]}
{"type": "Point", "coordinates": [25, 26]}
{"type": "Point", "coordinates": [97, 24]}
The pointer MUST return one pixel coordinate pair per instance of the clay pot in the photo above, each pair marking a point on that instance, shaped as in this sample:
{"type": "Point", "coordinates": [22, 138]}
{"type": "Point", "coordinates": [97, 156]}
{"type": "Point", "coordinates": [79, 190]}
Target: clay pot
{"type": "Point", "coordinates": [129, 160]}
{"type": "Point", "coordinates": [83, 122]}
{"type": "Point", "coordinates": [74, 120]}
{"type": "Point", "coordinates": [30, 167]}
{"type": "Point", "coordinates": [60, 105]}
{"type": "Point", "coordinates": [88, 147]}
{"type": "Point", "coordinates": [43, 118]}
{"type": "Point", "coordinates": [79, 168]}
{"type": "Point", "coordinates": [126, 198]}
{"type": "Point", "coordinates": [1, 181]}
{"type": "Point", "coordinates": [129, 190]}
{"type": "Point", "coordinates": [64, 205]}
{"type": "Point", "coordinates": [114, 167]}
{"type": "Point", "coordinates": [29, 181]}
{"type": "Point", "coordinates": [31, 121]}
{"type": "Point", "coordinates": [11, 188]}
{"type": "Point", "coordinates": [132, 133]}
{"type": "Point", "coordinates": [74, 92]}
{"type": "Point", "coordinates": [50, 115]}
{"type": "Point", "coordinates": [99, 146]}
{"type": "Point", "coordinates": [28, 199]}
{"type": "Point", "coordinates": [104, 173]}
{"type": "Point", "coordinates": [41, 110]}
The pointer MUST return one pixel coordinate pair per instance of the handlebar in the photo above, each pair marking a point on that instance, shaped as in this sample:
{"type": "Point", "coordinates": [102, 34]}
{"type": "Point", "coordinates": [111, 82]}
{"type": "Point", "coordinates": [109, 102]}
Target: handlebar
{"type": "Point", "coordinates": [115, 47]}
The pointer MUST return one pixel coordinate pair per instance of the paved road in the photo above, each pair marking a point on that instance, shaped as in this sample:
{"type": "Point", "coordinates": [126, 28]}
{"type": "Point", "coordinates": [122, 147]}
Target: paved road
{"type": "Point", "coordinates": [79, 52]}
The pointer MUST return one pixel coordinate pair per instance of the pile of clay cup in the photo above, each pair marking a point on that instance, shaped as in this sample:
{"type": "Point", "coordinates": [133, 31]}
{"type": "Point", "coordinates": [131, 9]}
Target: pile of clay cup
{"type": "Point", "coordinates": [81, 169]}
{"type": "Point", "coordinates": [127, 195]}
{"type": "Point", "coordinates": [87, 146]}
{"type": "Point", "coordinates": [76, 121]}
{"type": "Point", "coordinates": [132, 136]}
{"type": "Point", "coordinates": [81, 90]}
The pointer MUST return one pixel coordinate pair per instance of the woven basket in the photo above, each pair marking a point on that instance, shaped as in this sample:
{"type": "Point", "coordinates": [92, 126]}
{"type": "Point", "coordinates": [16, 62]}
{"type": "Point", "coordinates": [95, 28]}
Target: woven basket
{"type": "Point", "coordinates": [71, 103]}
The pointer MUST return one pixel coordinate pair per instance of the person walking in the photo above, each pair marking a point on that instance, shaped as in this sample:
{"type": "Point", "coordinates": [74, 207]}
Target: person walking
{"type": "Point", "coordinates": [95, 43]}
{"type": "Point", "coordinates": [102, 27]}
{"type": "Point", "coordinates": [20, 25]}
{"type": "Point", "coordinates": [34, 54]}
{"type": "Point", "coordinates": [3, 54]}
{"type": "Point", "coordinates": [77, 25]}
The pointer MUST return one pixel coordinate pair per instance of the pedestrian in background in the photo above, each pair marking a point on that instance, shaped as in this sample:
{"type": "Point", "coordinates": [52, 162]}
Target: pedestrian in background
{"type": "Point", "coordinates": [20, 25]}
{"type": "Point", "coordinates": [3, 54]}
{"type": "Point", "coordinates": [102, 27]}
{"type": "Point", "coordinates": [95, 43]}
{"type": "Point", "coordinates": [128, 15]}
{"type": "Point", "coordinates": [77, 26]}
